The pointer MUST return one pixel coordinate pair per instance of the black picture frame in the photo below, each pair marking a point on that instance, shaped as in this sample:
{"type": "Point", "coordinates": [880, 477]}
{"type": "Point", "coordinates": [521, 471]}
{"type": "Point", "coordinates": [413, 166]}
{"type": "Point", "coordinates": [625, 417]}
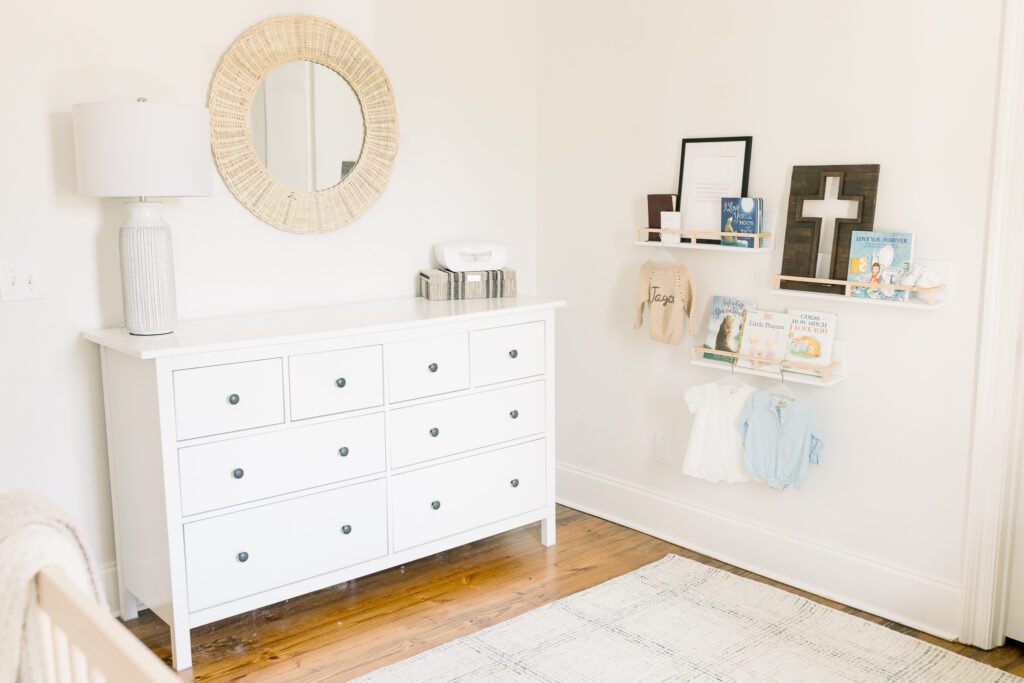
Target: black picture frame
{"type": "Point", "coordinates": [748, 141]}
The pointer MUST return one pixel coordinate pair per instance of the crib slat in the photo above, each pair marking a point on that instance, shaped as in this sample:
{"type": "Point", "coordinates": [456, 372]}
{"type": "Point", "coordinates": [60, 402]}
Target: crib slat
{"type": "Point", "coordinates": [61, 654]}
{"type": "Point", "coordinates": [108, 646]}
{"type": "Point", "coordinates": [79, 665]}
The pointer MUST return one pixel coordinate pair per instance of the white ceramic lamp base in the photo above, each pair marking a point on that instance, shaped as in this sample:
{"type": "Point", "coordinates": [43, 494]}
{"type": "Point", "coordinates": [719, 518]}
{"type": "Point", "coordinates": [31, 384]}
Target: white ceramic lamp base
{"type": "Point", "coordinates": [147, 270]}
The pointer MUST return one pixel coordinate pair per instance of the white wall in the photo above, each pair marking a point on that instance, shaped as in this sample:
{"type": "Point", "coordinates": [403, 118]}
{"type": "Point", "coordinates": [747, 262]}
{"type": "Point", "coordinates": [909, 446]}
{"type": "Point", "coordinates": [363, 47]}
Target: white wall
{"type": "Point", "coordinates": [465, 81]}
{"type": "Point", "coordinates": [910, 85]}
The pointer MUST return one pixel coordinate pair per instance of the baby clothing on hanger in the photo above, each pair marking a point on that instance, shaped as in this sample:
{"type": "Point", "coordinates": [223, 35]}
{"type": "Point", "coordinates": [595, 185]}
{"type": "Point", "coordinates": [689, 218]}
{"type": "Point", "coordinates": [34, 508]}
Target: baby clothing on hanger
{"type": "Point", "coordinates": [671, 294]}
{"type": "Point", "coordinates": [780, 436]}
{"type": "Point", "coordinates": [715, 450]}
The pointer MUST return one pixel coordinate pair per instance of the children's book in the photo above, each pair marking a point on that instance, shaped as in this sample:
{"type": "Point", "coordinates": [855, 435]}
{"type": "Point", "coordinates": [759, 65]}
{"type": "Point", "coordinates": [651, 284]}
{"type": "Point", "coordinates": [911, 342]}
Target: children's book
{"type": "Point", "coordinates": [725, 325]}
{"type": "Point", "coordinates": [765, 335]}
{"type": "Point", "coordinates": [880, 258]}
{"type": "Point", "coordinates": [744, 216]}
{"type": "Point", "coordinates": [810, 339]}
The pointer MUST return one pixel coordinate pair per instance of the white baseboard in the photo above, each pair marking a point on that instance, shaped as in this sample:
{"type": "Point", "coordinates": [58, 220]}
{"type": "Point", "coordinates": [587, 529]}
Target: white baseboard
{"type": "Point", "coordinates": [918, 601]}
{"type": "Point", "coordinates": [921, 602]}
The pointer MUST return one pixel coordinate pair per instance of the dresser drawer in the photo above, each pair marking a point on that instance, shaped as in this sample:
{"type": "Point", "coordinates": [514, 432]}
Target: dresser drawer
{"type": "Point", "coordinates": [503, 353]}
{"type": "Point", "coordinates": [226, 398]}
{"type": "Point", "coordinates": [447, 499]}
{"type": "Point", "coordinates": [335, 381]}
{"type": "Point", "coordinates": [227, 473]}
{"type": "Point", "coordinates": [454, 425]}
{"type": "Point", "coordinates": [424, 367]}
{"type": "Point", "coordinates": [283, 542]}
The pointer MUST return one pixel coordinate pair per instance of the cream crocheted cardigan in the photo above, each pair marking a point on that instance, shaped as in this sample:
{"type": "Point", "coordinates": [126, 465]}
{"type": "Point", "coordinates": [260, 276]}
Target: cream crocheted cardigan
{"type": "Point", "coordinates": [671, 294]}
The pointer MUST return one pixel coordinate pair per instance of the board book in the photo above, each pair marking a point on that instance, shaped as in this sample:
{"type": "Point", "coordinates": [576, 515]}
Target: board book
{"type": "Point", "coordinates": [725, 325]}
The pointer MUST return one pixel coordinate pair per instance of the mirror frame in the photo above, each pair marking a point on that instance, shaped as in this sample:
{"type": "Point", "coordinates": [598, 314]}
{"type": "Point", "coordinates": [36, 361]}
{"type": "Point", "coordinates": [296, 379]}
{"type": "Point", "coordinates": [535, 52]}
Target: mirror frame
{"type": "Point", "coordinates": [259, 50]}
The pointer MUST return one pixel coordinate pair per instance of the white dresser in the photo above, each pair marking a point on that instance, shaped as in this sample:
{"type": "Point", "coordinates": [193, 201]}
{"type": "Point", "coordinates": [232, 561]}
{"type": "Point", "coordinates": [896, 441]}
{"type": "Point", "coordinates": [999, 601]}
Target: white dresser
{"type": "Point", "coordinates": [260, 457]}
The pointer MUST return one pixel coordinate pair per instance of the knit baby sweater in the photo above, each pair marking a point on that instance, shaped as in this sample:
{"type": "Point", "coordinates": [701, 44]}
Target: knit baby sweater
{"type": "Point", "coordinates": [671, 294]}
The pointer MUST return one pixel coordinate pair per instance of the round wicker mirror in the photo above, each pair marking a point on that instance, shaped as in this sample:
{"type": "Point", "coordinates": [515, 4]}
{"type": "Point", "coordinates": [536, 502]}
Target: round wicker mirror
{"type": "Point", "coordinates": [255, 54]}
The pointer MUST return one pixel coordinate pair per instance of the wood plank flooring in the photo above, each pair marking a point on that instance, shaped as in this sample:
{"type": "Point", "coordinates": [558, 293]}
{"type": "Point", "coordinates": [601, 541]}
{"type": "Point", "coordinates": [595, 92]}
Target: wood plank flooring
{"type": "Point", "coordinates": [355, 627]}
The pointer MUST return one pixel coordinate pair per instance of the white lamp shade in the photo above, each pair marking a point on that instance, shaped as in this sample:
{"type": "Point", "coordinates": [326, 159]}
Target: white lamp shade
{"type": "Point", "coordinates": [142, 149]}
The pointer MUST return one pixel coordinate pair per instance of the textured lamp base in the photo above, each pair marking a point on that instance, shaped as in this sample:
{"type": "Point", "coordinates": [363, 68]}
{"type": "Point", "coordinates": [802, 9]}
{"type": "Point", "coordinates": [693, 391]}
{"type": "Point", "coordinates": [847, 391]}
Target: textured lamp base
{"type": "Point", "coordinates": [147, 270]}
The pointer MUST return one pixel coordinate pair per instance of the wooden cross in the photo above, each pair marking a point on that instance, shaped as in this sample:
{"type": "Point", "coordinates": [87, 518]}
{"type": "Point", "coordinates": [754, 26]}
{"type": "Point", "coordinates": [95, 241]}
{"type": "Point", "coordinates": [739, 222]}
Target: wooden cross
{"type": "Point", "coordinates": [857, 185]}
{"type": "Point", "coordinates": [830, 209]}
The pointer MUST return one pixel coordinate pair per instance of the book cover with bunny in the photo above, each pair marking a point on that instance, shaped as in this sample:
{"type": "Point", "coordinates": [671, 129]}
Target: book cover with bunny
{"type": "Point", "coordinates": [881, 258]}
{"type": "Point", "coordinates": [811, 334]}
{"type": "Point", "coordinates": [765, 335]}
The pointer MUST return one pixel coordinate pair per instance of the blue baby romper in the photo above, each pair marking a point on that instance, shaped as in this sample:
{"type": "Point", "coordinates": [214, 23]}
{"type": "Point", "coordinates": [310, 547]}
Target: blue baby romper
{"type": "Point", "coordinates": [780, 436]}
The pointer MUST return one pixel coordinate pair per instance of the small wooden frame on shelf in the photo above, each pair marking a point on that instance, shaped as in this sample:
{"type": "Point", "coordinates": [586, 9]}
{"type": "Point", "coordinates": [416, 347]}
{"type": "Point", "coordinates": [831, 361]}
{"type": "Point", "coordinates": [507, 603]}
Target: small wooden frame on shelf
{"type": "Point", "coordinates": [918, 297]}
{"type": "Point", "coordinates": [690, 237]}
{"type": "Point", "coordinates": [830, 374]}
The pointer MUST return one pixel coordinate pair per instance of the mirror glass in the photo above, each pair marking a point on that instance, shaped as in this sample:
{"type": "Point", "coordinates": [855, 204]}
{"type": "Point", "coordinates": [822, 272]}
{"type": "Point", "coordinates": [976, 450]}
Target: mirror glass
{"type": "Point", "coordinates": [307, 125]}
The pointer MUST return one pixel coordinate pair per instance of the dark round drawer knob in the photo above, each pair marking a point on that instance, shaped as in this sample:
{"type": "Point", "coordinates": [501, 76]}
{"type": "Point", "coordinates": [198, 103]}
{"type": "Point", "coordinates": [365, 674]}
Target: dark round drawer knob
{"type": "Point", "coordinates": [515, 483]}
{"type": "Point", "coordinates": [514, 414]}
{"type": "Point", "coordinates": [243, 556]}
{"type": "Point", "coordinates": [347, 529]}
{"type": "Point", "coordinates": [340, 382]}
{"type": "Point", "coordinates": [432, 367]}
{"type": "Point", "coordinates": [436, 504]}
{"type": "Point", "coordinates": [513, 354]}
{"type": "Point", "coordinates": [238, 473]}
{"type": "Point", "coordinates": [343, 451]}
{"type": "Point", "coordinates": [233, 399]}
{"type": "Point", "coordinates": [434, 431]}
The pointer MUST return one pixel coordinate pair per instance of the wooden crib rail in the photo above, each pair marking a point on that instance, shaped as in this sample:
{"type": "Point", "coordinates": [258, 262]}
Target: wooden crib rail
{"type": "Point", "coordinates": [88, 644]}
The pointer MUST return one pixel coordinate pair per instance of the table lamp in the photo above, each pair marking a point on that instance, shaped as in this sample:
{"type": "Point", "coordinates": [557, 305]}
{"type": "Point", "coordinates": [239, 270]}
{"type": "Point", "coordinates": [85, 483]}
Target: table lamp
{"type": "Point", "coordinates": [144, 149]}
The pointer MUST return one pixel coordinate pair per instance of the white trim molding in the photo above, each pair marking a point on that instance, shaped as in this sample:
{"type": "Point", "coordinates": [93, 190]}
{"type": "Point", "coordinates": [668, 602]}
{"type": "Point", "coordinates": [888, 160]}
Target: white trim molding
{"type": "Point", "coordinates": [923, 602]}
{"type": "Point", "coordinates": [996, 441]}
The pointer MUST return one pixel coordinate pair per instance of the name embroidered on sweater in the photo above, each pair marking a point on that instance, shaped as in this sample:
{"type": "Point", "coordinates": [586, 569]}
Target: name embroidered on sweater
{"type": "Point", "coordinates": [665, 300]}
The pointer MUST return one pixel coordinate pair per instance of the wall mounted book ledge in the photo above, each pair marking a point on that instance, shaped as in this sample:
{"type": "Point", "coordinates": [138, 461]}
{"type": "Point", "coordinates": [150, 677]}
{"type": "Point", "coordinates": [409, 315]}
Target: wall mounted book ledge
{"type": "Point", "coordinates": [924, 295]}
{"type": "Point", "coordinates": [830, 374]}
{"type": "Point", "coordinates": [689, 239]}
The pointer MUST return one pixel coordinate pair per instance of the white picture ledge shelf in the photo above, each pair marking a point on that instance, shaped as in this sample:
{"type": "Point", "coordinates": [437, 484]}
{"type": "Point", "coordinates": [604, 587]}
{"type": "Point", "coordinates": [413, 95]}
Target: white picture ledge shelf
{"type": "Point", "coordinates": [689, 240]}
{"type": "Point", "coordinates": [833, 373]}
{"type": "Point", "coordinates": [922, 298]}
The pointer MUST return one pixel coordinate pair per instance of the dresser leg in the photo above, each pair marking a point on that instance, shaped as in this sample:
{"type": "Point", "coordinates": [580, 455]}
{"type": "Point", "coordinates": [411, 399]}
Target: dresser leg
{"type": "Point", "coordinates": [181, 647]}
{"type": "Point", "coordinates": [547, 530]}
{"type": "Point", "coordinates": [129, 605]}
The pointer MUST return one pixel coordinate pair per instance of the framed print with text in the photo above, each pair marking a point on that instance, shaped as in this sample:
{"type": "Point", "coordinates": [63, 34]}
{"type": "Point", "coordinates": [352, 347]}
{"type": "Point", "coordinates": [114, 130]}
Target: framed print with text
{"type": "Point", "coordinates": [709, 169]}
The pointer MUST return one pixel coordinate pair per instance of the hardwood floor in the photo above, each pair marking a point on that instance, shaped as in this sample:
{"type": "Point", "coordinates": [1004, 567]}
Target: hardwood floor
{"type": "Point", "coordinates": [356, 627]}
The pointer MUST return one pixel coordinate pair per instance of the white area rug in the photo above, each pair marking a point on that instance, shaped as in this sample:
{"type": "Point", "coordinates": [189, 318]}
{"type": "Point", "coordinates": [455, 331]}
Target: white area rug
{"type": "Point", "coordinates": [679, 620]}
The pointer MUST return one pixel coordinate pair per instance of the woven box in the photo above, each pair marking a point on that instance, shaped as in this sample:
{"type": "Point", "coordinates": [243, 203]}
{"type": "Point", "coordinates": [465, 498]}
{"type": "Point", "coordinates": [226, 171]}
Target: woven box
{"type": "Point", "coordinates": [438, 284]}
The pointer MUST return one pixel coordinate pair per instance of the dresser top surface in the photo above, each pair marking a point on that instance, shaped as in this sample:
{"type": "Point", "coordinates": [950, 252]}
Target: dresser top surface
{"type": "Point", "coordinates": [309, 324]}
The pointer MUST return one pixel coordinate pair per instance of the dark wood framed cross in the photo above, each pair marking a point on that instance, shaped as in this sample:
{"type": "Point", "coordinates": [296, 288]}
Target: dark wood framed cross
{"type": "Point", "coordinates": [857, 184]}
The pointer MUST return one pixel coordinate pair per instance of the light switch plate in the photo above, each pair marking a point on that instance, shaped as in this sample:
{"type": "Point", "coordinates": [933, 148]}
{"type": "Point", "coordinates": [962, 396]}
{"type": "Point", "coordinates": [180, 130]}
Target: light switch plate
{"type": "Point", "coordinates": [21, 280]}
{"type": "Point", "coordinates": [663, 447]}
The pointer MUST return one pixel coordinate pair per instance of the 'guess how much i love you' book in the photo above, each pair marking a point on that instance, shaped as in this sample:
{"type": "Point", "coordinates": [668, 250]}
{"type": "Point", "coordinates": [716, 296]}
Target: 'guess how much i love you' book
{"type": "Point", "coordinates": [725, 325]}
{"type": "Point", "coordinates": [810, 340]}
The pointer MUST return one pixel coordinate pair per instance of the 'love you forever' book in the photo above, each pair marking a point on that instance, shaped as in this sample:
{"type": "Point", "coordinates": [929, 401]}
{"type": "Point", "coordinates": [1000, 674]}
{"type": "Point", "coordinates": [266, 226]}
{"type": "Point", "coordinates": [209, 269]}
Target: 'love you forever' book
{"type": "Point", "coordinates": [725, 325]}
{"type": "Point", "coordinates": [881, 258]}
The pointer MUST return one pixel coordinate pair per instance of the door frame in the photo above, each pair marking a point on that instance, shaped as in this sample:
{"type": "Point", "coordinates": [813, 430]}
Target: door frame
{"type": "Point", "coordinates": [997, 438]}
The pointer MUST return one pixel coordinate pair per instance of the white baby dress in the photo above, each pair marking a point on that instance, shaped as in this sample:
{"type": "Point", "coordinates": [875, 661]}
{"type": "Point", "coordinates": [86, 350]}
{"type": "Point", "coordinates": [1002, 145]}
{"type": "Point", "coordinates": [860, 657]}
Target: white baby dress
{"type": "Point", "coordinates": [715, 451]}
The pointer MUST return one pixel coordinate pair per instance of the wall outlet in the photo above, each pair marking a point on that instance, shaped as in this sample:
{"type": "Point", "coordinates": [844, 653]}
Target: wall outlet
{"type": "Point", "coordinates": [21, 280]}
{"type": "Point", "coordinates": [663, 447]}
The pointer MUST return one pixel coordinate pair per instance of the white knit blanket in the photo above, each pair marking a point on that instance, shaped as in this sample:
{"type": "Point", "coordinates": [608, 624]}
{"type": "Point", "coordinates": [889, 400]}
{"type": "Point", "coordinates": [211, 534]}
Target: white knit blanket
{"type": "Point", "coordinates": [34, 533]}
